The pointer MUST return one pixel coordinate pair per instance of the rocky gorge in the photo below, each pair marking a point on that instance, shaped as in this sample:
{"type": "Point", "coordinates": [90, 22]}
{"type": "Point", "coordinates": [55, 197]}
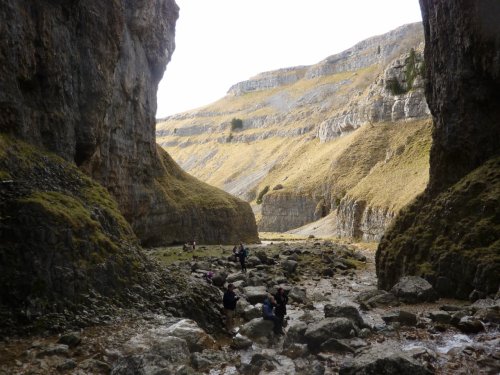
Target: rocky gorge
{"type": "Point", "coordinates": [338, 322]}
{"type": "Point", "coordinates": [368, 99]}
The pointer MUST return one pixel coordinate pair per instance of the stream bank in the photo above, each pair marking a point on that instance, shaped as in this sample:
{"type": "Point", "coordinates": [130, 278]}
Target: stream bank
{"type": "Point", "coordinates": [338, 323]}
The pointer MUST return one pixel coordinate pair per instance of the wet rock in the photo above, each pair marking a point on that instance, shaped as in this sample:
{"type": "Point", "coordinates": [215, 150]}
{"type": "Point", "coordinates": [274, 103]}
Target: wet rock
{"type": "Point", "coordinates": [469, 324]}
{"type": "Point", "coordinates": [376, 298]}
{"type": "Point", "coordinates": [414, 289]}
{"type": "Point", "coordinates": [382, 360]}
{"type": "Point", "coordinates": [295, 350]}
{"type": "Point", "coordinates": [457, 316]}
{"type": "Point", "coordinates": [440, 316]}
{"type": "Point", "coordinates": [255, 294]}
{"type": "Point", "coordinates": [53, 349]}
{"type": "Point", "coordinates": [345, 311]}
{"type": "Point", "coordinates": [295, 334]}
{"type": "Point", "coordinates": [66, 365]}
{"type": "Point", "coordinates": [451, 308]}
{"type": "Point", "coordinates": [297, 295]}
{"type": "Point", "coordinates": [219, 279]}
{"type": "Point", "coordinates": [196, 338]}
{"type": "Point", "coordinates": [208, 359]}
{"type": "Point", "coordinates": [403, 317]}
{"type": "Point", "coordinates": [484, 303]}
{"type": "Point", "coordinates": [142, 364]}
{"type": "Point", "coordinates": [289, 266]}
{"type": "Point", "coordinates": [71, 339]}
{"type": "Point", "coordinates": [490, 315]}
{"type": "Point", "coordinates": [336, 345]}
{"type": "Point", "coordinates": [240, 342]}
{"type": "Point", "coordinates": [257, 328]}
{"type": "Point", "coordinates": [251, 312]}
{"type": "Point", "coordinates": [252, 261]}
{"type": "Point", "coordinates": [317, 333]}
{"type": "Point", "coordinates": [94, 366]}
{"type": "Point", "coordinates": [238, 276]}
{"type": "Point", "coordinates": [259, 363]}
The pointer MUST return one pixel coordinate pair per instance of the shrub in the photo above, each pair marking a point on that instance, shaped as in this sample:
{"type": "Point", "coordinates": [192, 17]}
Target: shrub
{"type": "Point", "coordinates": [236, 123]}
{"type": "Point", "coordinates": [261, 194]}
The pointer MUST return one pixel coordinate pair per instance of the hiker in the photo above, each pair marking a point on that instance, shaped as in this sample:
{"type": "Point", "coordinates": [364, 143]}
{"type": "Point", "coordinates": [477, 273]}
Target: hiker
{"type": "Point", "coordinates": [281, 300]}
{"type": "Point", "coordinates": [194, 245]}
{"type": "Point", "coordinates": [229, 301]}
{"type": "Point", "coordinates": [208, 277]}
{"type": "Point", "coordinates": [267, 314]}
{"type": "Point", "coordinates": [242, 255]}
{"type": "Point", "coordinates": [185, 247]}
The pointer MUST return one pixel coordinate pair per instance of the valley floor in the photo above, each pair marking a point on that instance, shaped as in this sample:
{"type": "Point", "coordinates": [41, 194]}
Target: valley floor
{"type": "Point", "coordinates": [421, 338]}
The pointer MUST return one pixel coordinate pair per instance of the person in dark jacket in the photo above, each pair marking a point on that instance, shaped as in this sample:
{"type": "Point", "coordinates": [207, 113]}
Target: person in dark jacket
{"type": "Point", "coordinates": [242, 255]}
{"type": "Point", "coordinates": [268, 314]}
{"type": "Point", "coordinates": [281, 301]}
{"type": "Point", "coordinates": [229, 301]}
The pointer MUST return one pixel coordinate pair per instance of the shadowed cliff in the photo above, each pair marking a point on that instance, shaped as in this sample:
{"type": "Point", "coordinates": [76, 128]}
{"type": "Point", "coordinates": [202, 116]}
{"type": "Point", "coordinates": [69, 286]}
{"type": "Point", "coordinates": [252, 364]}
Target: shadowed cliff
{"type": "Point", "coordinates": [80, 80]}
{"type": "Point", "coordinates": [451, 234]}
{"type": "Point", "coordinates": [82, 181]}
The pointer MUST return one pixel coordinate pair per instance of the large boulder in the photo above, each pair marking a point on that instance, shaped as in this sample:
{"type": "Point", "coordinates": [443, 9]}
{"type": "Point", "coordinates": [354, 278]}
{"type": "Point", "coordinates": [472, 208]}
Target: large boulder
{"type": "Point", "coordinates": [345, 311]}
{"type": "Point", "coordinates": [197, 339]}
{"type": "Point", "coordinates": [382, 361]}
{"type": "Point", "coordinates": [317, 333]}
{"type": "Point", "coordinates": [414, 289]}
{"type": "Point", "coordinates": [257, 328]}
{"type": "Point", "coordinates": [255, 294]}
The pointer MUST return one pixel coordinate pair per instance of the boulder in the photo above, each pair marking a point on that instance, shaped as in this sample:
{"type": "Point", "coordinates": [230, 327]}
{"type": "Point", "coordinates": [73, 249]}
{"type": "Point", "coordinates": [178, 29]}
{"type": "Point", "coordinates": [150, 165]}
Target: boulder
{"type": "Point", "coordinates": [414, 289]}
{"type": "Point", "coordinates": [289, 266]}
{"type": "Point", "coordinates": [255, 294]}
{"type": "Point", "coordinates": [237, 276]}
{"type": "Point", "coordinates": [219, 279]}
{"type": "Point", "coordinates": [252, 312]}
{"type": "Point", "coordinates": [440, 316]}
{"type": "Point", "coordinates": [71, 339]}
{"type": "Point", "coordinates": [240, 342]}
{"type": "Point", "coordinates": [317, 333]}
{"type": "Point", "coordinates": [260, 363]}
{"type": "Point", "coordinates": [257, 328]}
{"type": "Point", "coordinates": [196, 338]}
{"type": "Point", "coordinates": [142, 364]}
{"type": "Point", "coordinates": [208, 359]}
{"type": "Point", "coordinates": [345, 311]}
{"type": "Point", "coordinates": [382, 360]}
{"type": "Point", "coordinates": [469, 324]}
{"type": "Point", "coordinates": [376, 298]}
{"type": "Point", "coordinates": [403, 317]}
{"type": "Point", "coordinates": [297, 295]}
{"type": "Point", "coordinates": [172, 349]}
{"type": "Point", "coordinates": [295, 334]}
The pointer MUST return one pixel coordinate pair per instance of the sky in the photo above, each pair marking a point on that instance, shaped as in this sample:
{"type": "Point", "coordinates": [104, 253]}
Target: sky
{"type": "Point", "coordinates": [223, 42]}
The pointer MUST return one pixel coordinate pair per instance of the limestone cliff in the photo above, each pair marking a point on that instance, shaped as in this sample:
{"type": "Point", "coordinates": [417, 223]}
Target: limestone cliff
{"type": "Point", "coordinates": [326, 133]}
{"type": "Point", "coordinates": [451, 233]}
{"type": "Point", "coordinates": [80, 80]}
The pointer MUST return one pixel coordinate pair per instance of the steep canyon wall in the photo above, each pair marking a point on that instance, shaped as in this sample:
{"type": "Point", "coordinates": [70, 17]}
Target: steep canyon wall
{"type": "Point", "coordinates": [80, 80]}
{"type": "Point", "coordinates": [451, 233]}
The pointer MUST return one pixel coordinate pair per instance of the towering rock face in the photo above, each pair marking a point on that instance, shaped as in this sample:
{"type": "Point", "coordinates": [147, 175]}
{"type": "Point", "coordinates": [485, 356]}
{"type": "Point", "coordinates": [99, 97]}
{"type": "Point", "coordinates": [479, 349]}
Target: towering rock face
{"type": "Point", "coordinates": [80, 79]}
{"type": "Point", "coordinates": [451, 234]}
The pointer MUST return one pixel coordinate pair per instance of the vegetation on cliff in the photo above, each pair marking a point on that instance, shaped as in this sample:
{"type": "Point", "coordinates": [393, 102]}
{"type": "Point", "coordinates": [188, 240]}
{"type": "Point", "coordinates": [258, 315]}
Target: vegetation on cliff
{"type": "Point", "coordinates": [453, 240]}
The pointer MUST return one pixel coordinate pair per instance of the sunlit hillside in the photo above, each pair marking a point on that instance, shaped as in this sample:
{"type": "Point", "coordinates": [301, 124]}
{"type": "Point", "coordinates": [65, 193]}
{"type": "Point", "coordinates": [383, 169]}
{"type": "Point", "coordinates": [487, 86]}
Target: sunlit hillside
{"type": "Point", "coordinates": [298, 142]}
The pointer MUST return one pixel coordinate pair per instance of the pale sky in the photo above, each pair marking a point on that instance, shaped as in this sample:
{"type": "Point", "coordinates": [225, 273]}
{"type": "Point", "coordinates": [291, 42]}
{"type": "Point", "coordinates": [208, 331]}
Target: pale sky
{"type": "Point", "coordinates": [223, 42]}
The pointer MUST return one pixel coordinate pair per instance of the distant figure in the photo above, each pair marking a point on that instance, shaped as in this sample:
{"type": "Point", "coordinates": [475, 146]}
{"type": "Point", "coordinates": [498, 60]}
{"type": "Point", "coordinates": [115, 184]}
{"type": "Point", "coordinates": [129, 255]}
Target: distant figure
{"type": "Point", "coordinates": [208, 276]}
{"type": "Point", "coordinates": [185, 247]}
{"type": "Point", "coordinates": [242, 255]}
{"type": "Point", "coordinates": [267, 314]}
{"type": "Point", "coordinates": [194, 245]}
{"type": "Point", "coordinates": [229, 301]}
{"type": "Point", "coordinates": [281, 300]}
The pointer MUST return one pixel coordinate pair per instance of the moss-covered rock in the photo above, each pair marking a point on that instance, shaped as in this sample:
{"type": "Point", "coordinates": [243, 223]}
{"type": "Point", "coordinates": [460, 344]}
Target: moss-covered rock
{"type": "Point", "coordinates": [455, 235]}
{"type": "Point", "coordinates": [67, 255]}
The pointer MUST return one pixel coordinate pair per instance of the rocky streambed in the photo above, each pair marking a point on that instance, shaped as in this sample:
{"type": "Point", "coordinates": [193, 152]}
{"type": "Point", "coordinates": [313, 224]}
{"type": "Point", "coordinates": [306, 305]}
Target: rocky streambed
{"type": "Point", "coordinates": [338, 323]}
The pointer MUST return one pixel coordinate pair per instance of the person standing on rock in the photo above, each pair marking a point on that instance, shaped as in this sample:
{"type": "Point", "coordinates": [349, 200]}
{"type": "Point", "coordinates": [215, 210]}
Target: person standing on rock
{"type": "Point", "coordinates": [268, 314]}
{"type": "Point", "coordinates": [281, 301]}
{"type": "Point", "coordinates": [229, 301]}
{"type": "Point", "coordinates": [242, 255]}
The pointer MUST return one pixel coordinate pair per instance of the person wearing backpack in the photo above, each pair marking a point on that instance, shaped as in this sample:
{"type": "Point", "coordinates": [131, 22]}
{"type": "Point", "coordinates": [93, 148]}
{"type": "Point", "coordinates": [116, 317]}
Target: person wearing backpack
{"type": "Point", "coordinates": [242, 255]}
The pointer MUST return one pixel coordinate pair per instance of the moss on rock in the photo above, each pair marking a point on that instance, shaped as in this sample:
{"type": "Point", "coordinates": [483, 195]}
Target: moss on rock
{"type": "Point", "coordinates": [455, 235]}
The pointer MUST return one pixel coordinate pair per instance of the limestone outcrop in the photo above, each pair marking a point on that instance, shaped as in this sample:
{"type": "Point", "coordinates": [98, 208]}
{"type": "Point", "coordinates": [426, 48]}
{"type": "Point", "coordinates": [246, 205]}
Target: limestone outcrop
{"type": "Point", "coordinates": [80, 80]}
{"type": "Point", "coordinates": [450, 234]}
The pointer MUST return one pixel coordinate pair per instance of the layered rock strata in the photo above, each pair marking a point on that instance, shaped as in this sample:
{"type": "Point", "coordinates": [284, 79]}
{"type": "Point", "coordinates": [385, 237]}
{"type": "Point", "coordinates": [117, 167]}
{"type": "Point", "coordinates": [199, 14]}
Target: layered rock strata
{"type": "Point", "coordinates": [450, 234]}
{"type": "Point", "coordinates": [80, 80]}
